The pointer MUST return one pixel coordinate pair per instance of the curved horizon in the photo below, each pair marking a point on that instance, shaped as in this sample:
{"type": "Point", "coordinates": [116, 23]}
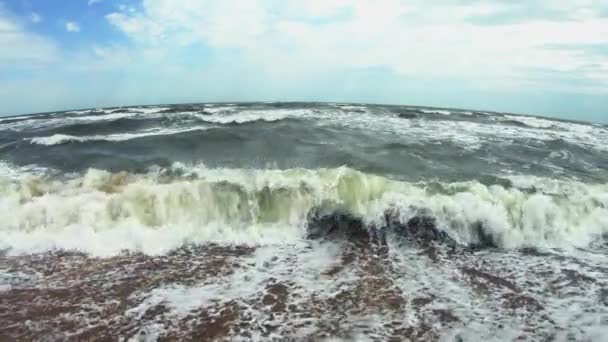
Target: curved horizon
{"type": "Point", "coordinates": [478, 110]}
{"type": "Point", "coordinates": [538, 57]}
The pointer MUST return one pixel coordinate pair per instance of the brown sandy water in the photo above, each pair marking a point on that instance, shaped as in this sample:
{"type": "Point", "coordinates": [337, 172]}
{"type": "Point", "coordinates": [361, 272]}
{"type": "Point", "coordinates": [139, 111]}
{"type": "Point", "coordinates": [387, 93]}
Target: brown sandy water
{"type": "Point", "coordinates": [350, 290]}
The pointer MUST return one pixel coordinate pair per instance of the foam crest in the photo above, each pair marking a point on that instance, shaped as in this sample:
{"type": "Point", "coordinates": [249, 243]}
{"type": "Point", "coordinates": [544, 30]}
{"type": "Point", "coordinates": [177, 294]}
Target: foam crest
{"type": "Point", "coordinates": [228, 116]}
{"type": "Point", "coordinates": [104, 213]}
{"type": "Point", "coordinates": [58, 139]}
{"type": "Point", "coordinates": [84, 116]}
{"type": "Point", "coordinates": [436, 111]}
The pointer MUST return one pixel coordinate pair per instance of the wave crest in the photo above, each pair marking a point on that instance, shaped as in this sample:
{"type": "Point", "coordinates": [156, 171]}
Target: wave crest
{"type": "Point", "coordinates": [59, 139]}
{"type": "Point", "coordinates": [103, 213]}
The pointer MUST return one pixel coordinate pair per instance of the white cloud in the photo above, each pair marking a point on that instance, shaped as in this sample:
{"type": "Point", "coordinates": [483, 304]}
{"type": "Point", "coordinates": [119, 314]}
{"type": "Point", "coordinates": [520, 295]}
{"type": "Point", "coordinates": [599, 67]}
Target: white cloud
{"type": "Point", "coordinates": [92, 2]}
{"type": "Point", "coordinates": [24, 49]}
{"type": "Point", "coordinates": [410, 37]}
{"type": "Point", "coordinates": [320, 8]}
{"type": "Point", "coordinates": [400, 51]}
{"type": "Point", "coordinates": [35, 17]}
{"type": "Point", "coordinates": [71, 26]}
{"type": "Point", "coordinates": [225, 23]}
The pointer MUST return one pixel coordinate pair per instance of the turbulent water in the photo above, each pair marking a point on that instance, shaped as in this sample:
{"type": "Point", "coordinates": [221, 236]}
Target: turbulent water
{"type": "Point", "coordinates": [304, 221]}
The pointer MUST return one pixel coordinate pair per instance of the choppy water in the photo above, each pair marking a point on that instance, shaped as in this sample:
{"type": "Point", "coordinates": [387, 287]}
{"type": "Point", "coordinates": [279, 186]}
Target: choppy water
{"type": "Point", "coordinates": [261, 221]}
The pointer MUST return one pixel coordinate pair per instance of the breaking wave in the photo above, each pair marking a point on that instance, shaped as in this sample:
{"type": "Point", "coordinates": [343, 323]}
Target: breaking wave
{"type": "Point", "coordinates": [105, 213]}
{"type": "Point", "coordinates": [436, 111]}
{"type": "Point", "coordinates": [58, 139]}
{"type": "Point", "coordinates": [222, 116]}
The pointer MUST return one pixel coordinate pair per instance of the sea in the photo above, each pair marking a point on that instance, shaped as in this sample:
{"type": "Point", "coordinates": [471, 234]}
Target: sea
{"type": "Point", "coordinates": [302, 222]}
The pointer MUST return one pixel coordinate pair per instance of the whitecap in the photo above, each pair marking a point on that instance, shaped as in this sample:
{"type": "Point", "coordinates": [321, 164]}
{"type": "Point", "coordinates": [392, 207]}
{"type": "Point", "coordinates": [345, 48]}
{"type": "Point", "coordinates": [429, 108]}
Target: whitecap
{"type": "Point", "coordinates": [58, 139]}
{"type": "Point", "coordinates": [436, 111]}
{"type": "Point", "coordinates": [104, 213]}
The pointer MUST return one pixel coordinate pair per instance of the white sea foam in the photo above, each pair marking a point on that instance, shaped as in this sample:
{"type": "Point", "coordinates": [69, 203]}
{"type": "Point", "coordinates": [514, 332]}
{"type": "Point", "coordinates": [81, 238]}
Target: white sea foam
{"type": "Point", "coordinates": [585, 135]}
{"type": "Point", "coordinates": [472, 135]}
{"type": "Point", "coordinates": [101, 117]}
{"type": "Point", "coordinates": [351, 107]}
{"type": "Point", "coordinates": [149, 110]}
{"type": "Point", "coordinates": [104, 213]}
{"type": "Point", "coordinates": [273, 263]}
{"type": "Point", "coordinates": [567, 303]}
{"type": "Point", "coordinates": [9, 172]}
{"type": "Point", "coordinates": [409, 131]}
{"type": "Point", "coordinates": [436, 111]}
{"type": "Point", "coordinates": [18, 117]}
{"type": "Point", "coordinates": [84, 116]}
{"type": "Point", "coordinates": [532, 121]}
{"type": "Point", "coordinates": [245, 116]}
{"type": "Point", "coordinates": [467, 134]}
{"type": "Point", "coordinates": [58, 139]}
{"type": "Point", "coordinates": [78, 112]}
{"type": "Point", "coordinates": [442, 286]}
{"type": "Point", "coordinates": [220, 109]}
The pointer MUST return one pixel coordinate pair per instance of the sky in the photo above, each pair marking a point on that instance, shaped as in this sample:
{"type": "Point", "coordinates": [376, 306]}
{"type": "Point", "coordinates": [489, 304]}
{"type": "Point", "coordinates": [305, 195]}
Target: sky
{"type": "Point", "coordinates": [546, 57]}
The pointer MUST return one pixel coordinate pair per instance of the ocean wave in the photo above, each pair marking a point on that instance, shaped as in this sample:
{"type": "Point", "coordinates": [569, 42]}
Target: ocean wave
{"type": "Point", "coordinates": [18, 117]}
{"type": "Point", "coordinates": [436, 111]}
{"type": "Point", "coordinates": [220, 109]}
{"type": "Point", "coordinates": [104, 213]}
{"type": "Point", "coordinates": [58, 139]}
{"type": "Point", "coordinates": [80, 117]}
{"type": "Point", "coordinates": [102, 117]}
{"type": "Point", "coordinates": [536, 122]}
{"type": "Point", "coordinates": [11, 173]}
{"type": "Point", "coordinates": [470, 135]}
{"type": "Point", "coordinates": [531, 121]}
{"type": "Point", "coordinates": [351, 108]}
{"type": "Point", "coordinates": [227, 116]}
{"type": "Point", "coordinates": [119, 110]}
{"type": "Point", "coordinates": [220, 115]}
